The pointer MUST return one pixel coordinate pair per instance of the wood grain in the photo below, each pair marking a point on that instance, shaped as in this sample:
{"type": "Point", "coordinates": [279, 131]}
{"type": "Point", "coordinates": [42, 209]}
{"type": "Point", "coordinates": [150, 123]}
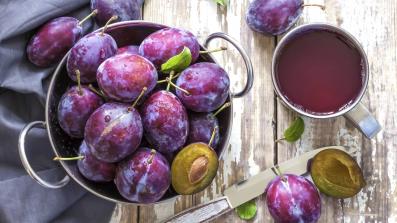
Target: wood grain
{"type": "Point", "coordinates": [259, 118]}
{"type": "Point", "coordinates": [373, 23]}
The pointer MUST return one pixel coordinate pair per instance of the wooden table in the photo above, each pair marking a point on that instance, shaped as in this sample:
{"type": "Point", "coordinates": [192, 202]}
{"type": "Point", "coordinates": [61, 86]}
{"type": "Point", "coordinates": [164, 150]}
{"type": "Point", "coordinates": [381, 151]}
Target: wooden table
{"type": "Point", "coordinates": [259, 118]}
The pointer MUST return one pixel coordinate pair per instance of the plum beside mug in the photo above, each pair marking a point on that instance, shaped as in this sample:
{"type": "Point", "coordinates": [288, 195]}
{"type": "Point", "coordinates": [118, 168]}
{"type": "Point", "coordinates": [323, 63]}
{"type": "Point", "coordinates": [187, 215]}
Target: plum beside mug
{"type": "Point", "coordinates": [351, 77]}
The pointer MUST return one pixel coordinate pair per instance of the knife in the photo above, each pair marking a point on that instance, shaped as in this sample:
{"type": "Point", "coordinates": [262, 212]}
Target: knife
{"type": "Point", "coordinates": [246, 190]}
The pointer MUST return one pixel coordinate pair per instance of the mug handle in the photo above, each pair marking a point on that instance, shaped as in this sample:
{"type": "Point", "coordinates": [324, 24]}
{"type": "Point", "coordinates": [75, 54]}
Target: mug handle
{"type": "Point", "coordinates": [247, 60]}
{"type": "Point", "coordinates": [25, 162]}
{"type": "Point", "coordinates": [363, 120]}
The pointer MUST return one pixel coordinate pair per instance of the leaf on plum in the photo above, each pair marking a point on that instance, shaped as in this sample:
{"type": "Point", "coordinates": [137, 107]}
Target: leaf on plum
{"type": "Point", "coordinates": [178, 62]}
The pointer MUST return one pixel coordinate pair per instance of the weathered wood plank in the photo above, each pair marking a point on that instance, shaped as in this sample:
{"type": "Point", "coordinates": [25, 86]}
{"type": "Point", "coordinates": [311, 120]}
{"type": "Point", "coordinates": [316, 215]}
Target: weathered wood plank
{"type": "Point", "coordinates": [373, 23]}
{"type": "Point", "coordinates": [124, 214]}
{"type": "Point", "coordinates": [252, 136]}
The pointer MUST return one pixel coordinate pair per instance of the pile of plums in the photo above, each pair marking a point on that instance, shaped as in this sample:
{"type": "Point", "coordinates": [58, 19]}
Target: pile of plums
{"type": "Point", "coordinates": [136, 131]}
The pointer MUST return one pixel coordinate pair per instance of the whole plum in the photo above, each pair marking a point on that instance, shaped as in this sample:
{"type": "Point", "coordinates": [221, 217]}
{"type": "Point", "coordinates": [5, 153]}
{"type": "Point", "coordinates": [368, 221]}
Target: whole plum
{"type": "Point", "coordinates": [123, 77]}
{"type": "Point", "coordinates": [165, 122]}
{"type": "Point", "coordinates": [207, 84]}
{"type": "Point", "coordinates": [88, 53]}
{"type": "Point", "coordinates": [113, 131]}
{"type": "Point", "coordinates": [53, 40]}
{"type": "Point", "coordinates": [201, 126]}
{"type": "Point", "coordinates": [92, 168]}
{"type": "Point", "coordinates": [74, 109]}
{"type": "Point", "coordinates": [144, 177]}
{"type": "Point", "coordinates": [292, 198]}
{"type": "Point", "coordinates": [160, 46]}
{"type": "Point", "coordinates": [124, 10]}
{"type": "Point", "coordinates": [273, 17]}
{"type": "Point", "coordinates": [132, 49]}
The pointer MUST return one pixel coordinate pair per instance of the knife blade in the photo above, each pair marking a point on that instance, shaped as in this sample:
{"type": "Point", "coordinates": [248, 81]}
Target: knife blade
{"type": "Point", "coordinates": [248, 189]}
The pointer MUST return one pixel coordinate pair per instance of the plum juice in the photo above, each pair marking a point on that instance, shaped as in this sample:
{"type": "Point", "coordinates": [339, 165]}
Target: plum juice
{"type": "Point", "coordinates": [320, 72]}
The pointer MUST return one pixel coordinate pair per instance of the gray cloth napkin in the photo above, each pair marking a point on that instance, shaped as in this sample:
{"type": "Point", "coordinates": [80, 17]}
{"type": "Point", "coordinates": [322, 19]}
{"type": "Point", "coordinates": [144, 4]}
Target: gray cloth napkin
{"type": "Point", "coordinates": [22, 97]}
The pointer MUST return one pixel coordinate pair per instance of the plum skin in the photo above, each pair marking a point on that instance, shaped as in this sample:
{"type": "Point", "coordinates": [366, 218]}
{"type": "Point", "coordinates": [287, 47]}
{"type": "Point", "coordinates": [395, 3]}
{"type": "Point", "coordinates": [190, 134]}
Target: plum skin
{"type": "Point", "coordinates": [201, 126]}
{"type": "Point", "coordinates": [273, 17]}
{"type": "Point", "coordinates": [53, 40]}
{"type": "Point", "coordinates": [208, 85]}
{"type": "Point", "coordinates": [122, 77]}
{"type": "Point", "coordinates": [163, 44]}
{"type": "Point", "coordinates": [294, 199]}
{"type": "Point", "coordinates": [165, 122]}
{"type": "Point", "coordinates": [113, 131]}
{"type": "Point", "coordinates": [75, 109]}
{"type": "Point", "coordinates": [140, 180]}
{"type": "Point", "coordinates": [132, 49]}
{"type": "Point", "coordinates": [125, 10]}
{"type": "Point", "coordinates": [88, 53]}
{"type": "Point", "coordinates": [92, 168]}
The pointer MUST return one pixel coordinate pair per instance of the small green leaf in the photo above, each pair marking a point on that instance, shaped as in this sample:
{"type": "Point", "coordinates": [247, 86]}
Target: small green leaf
{"type": "Point", "coordinates": [247, 211]}
{"type": "Point", "coordinates": [221, 2]}
{"type": "Point", "coordinates": [295, 130]}
{"type": "Point", "coordinates": [178, 62]}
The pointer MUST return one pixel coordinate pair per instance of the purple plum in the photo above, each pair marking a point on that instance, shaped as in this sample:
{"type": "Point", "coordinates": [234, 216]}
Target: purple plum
{"type": "Point", "coordinates": [207, 84]}
{"type": "Point", "coordinates": [88, 53]}
{"type": "Point", "coordinates": [124, 9]}
{"type": "Point", "coordinates": [273, 17]}
{"type": "Point", "coordinates": [201, 126]}
{"type": "Point", "coordinates": [160, 46]}
{"type": "Point", "coordinates": [144, 177]}
{"type": "Point", "coordinates": [291, 198]}
{"type": "Point", "coordinates": [92, 168]}
{"type": "Point", "coordinates": [53, 40]}
{"type": "Point", "coordinates": [165, 122]}
{"type": "Point", "coordinates": [74, 109]}
{"type": "Point", "coordinates": [132, 49]}
{"type": "Point", "coordinates": [123, 77]}
{"type": "Point", "coordinates": [113, 131]}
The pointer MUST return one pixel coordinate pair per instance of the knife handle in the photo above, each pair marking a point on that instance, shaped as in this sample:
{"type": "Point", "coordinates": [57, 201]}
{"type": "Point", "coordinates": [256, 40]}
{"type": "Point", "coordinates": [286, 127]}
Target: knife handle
{"type": "Point", "coordinates": [201, 213]}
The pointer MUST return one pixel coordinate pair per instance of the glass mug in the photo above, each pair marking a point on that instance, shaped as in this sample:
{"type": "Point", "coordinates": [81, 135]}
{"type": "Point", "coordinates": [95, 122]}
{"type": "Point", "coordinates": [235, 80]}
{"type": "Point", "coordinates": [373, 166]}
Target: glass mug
{"type": "Point", "coordinates": [354, 111]}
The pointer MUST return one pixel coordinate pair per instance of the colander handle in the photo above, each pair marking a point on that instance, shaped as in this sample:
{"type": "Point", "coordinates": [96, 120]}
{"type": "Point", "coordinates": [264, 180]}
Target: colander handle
{"type": "Point", "coordinates": [244, 55]}
{"type": "Point", "coordinates": [25, 162]}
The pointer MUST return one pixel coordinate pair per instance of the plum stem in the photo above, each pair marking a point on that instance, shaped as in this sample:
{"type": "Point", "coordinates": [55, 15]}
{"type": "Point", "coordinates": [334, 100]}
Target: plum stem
{"type": "Point", "coordinates": [93, 13]}
{"type": "Point", "coordinates": [152, 153]}
{"type": "Point", "coordinates": [177, 87]}
{"type": "Point", "coordinates": [169, 80]}
{"type": "Point", "coordinates": [144, 89]}
{"type": "Point", "coordinates": [279, 173]}
{"type": "Point", "coordinates": [227, 104]}
{"type": "Point", "coordinates": [222, 48]}
{"type": "Point", "coordinates": [96, 91]}
{"type": "Point", "coordinates": [78, 77]}
{"type": "Point", "coordinates": [68, 158]}
{"type": "Point", "coordinates": [173, 78]}
{"type": "Point", "coordinates": [212, 136]}
{"type": "Point", "coordinates": [279, 140]}
{"type": "Point", "coordinates": [107, 23]}
{"type": "Point", "coordinates": [316, 5]}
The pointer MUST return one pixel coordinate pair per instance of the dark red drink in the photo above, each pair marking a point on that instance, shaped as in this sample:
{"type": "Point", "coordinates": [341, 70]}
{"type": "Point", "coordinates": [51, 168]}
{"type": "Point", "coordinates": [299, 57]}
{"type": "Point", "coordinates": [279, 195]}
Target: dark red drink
{"type": "Point", "coordinates": [320, 72]}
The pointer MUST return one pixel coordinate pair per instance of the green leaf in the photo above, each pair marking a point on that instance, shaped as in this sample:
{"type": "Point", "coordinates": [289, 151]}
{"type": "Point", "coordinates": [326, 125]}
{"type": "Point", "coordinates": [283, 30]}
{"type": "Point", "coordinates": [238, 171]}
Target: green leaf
{"type": "Point", "coordinates": [221, 2]}
{"type": "Point", "coordinates": [295, 130]}
{"type": "Point", "coordinates": [178, 62]}
{"type": "Point", "coordinates": [247, 211]}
